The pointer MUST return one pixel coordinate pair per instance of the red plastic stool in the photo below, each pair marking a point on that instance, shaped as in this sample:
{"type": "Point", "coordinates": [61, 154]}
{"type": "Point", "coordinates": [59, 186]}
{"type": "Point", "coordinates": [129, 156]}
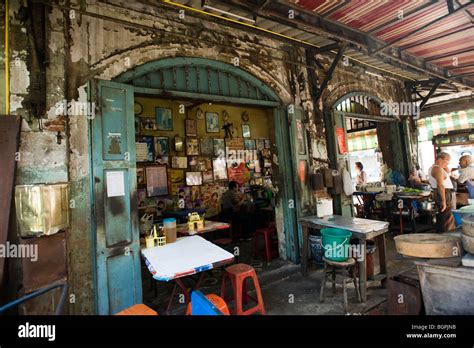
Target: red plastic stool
{"type": "Point", "coordinates": [138, 309]}
{"type": "Point", "coordinates": [216, 300]}
{"type": "Point", "coordinates": [270, 250]}
{"type": "Point", "coordinates": [238, 275]}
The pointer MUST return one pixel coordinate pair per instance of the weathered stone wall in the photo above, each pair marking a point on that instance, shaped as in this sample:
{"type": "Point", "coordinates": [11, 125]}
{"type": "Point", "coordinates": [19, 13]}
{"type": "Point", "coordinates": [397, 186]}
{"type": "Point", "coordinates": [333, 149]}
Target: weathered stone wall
{"type": "Point", "coordinates": [102, 41]}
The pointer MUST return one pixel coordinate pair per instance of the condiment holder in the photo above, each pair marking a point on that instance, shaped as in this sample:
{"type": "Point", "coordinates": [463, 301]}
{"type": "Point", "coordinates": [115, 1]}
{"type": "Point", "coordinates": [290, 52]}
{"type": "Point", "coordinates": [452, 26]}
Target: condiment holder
{"type": "Point", "coordinates": [155, 238]}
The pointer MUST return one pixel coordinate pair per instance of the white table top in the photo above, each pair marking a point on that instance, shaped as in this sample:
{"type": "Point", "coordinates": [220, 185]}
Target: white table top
{"type": "Point", "coordinates": [186, 256]}
{"type": "Point", "coordinates": [358, 225]}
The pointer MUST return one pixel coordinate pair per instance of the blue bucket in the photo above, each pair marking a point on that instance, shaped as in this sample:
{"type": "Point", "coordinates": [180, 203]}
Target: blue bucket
{"type": "Point", "coordinates": [335, 241]}
{"type": "Point", "coordinates": [457, 218]}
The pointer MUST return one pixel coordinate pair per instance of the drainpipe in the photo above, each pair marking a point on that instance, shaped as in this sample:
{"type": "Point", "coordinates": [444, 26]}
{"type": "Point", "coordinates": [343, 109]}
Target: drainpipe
{"type": "Point", "coordinates": [7, 62]}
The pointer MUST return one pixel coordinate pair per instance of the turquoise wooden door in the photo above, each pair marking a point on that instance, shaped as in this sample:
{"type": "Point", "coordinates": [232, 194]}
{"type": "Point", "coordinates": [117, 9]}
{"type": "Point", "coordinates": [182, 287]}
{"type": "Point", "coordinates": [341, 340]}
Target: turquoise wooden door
{"type": "Point", "coordinates": [286, 184]}
{"type": "Point", "coordinates": [300, 166]}
{"type": "Point", "coordinates": [118, 277]}
{"type": "Point", "coordinates": [333, 120]}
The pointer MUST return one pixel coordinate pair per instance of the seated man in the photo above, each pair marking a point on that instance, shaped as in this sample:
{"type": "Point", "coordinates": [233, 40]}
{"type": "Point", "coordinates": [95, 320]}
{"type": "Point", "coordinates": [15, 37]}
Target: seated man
{"type": "Point", "coordinates": [466, 173]}
{"type": "Point", "coordinates": [231, 201]}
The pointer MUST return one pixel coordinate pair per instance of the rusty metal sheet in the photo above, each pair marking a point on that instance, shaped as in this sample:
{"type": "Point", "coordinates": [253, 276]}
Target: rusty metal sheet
{"type": "Point", "coordinates": [404, 294]}
{"type": "Point", "coordinates": [9, 137]}
{"type": "Point", "coordinates": [51, 263]}
{"type": "Point", "coordinates": [44, 304]}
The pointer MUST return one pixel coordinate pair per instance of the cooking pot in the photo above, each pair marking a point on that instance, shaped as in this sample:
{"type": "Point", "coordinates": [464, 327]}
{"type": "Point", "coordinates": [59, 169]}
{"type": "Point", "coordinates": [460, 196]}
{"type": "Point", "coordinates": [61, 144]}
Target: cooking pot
{"type": "Point", "coordinates": [427, 206]}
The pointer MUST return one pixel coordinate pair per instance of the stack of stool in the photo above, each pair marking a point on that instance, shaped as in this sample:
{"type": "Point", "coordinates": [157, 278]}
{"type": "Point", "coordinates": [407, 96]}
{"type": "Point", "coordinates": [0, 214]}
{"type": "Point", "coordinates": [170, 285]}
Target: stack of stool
{"type": "Point", "coordinates": [270, 243]}
{"type": "Point", "coordinates": [238, 275]}
{"type": "Point", "coordinates": [344, 268]}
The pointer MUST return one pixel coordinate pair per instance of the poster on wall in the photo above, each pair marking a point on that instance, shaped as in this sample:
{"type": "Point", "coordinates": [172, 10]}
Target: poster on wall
{"type": "Point", "coordinates": [193, 178]}
{"type": "Point", "coordinates": [207, 147]}
{"type": "Point", "coordinates": [156, 180]}
{"type": "Point", "coordinates": [249, 144]}
{"type": "Point", "coordinates": [148, 124]}
{"type": "Point", "coordinates": [220, 169]}
{"type": "Point", "coordinates": [207, 177]}
{"type": "Point", "coordinates": [179, 162]}
{"type": "Point", "coordinates": [164, 119]}
{"type": "Point", "coordinates": [141, 179]}
{"type": "Point", "coordinates": [140, 144]}
{"type": "Point", "coordinates": [237, 173]}
{"type": "Point", "coordinates": [341, 140]}
{"type": "Point", "coordinates": [300, 137]}
{"type": "Point", "coordinates": [177, 180]}
{"type": "Point", "coordinates": [235, 144]}
{"type": "Point", "coordinates": [211, 194]}
{"type": "Point", "coordinates": [212, 122]}
{"type": "Point", "coordinates": [191, 128]}
{"type": "Point", "coordinates": [219, 148]}
{"type": "Point", "coordinates": [260, 144]}
{"type": "Point", "coordinates": [192, 147]}
{"type": "Point", "coordinates": [161, 149]}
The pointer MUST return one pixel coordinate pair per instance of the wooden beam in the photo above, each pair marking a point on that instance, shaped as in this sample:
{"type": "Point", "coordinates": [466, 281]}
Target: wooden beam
{"type": "Point", "coordinates": [428, 96]}
{"type": "Point", "coordinates": [450, 6]}
{"type": "Point", "coordinates": [327, 48]}
{"type": "Point", "coordinates": [464, 75]}
{"type": "Point", "coordinates": [329, 73]}
{"type": "Point", "coordinates": [312, 22]}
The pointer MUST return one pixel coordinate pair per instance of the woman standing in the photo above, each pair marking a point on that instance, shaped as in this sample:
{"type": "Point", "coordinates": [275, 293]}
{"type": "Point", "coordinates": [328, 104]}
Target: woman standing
{"type": "Point", "coordinates": [361, 178]}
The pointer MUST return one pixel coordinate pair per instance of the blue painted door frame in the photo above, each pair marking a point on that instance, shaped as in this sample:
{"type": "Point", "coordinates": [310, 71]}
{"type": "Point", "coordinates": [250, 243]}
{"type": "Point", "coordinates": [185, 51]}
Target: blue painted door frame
{"type": "Point", "coordinates": [115, 224]}
{"type": "Point", "coordinates": [116, 235]}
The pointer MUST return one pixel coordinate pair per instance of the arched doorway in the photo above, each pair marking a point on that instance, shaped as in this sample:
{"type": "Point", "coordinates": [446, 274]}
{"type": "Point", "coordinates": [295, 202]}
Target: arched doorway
{"type": "Point", "coordinates": [355, 123]}
{"type": "Point", "coordinates": [114, 159]}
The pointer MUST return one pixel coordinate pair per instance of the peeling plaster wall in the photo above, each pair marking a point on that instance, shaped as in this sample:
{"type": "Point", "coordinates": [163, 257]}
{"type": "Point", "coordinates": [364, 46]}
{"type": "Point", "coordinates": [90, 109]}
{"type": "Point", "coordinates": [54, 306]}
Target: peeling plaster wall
{"type": "Point", "coordinates": [83, 47]}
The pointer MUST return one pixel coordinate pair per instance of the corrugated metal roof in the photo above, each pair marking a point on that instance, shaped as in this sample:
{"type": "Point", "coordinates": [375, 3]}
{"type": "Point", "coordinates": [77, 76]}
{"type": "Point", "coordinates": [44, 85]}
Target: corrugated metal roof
{"type": "Point", "coordinates": [396, 20]}
{"type": "Point", "coordinates": [381, 18]}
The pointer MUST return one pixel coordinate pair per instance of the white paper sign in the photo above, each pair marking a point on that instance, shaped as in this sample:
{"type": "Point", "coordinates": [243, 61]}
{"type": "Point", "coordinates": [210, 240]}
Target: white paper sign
{"type": "Point", "coordinates": [115, 184]}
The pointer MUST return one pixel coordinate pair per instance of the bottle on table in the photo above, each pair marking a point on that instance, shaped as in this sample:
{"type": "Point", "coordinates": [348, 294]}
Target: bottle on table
{"type": "Point", "coordinates": [169, 227]}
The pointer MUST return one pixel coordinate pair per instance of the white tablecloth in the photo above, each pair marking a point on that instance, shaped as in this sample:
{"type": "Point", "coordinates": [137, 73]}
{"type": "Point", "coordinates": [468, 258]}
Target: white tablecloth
{"type": "Point", "coordinates": [188, 255]}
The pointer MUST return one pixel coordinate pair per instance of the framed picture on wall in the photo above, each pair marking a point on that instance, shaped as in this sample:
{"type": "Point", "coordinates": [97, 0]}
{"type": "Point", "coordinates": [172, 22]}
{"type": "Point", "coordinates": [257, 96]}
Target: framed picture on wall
{"type": "Point", "coordinates": [219, 148]}
{"type": "Point", "coordinates": [193, 178]}
{"type": "Point", "coordinates": [207, 147]}
{"type": "Point", "coordinates": [220, 169]}
{"type": "Point", "coordinates": [212, 122]}
{"type": "Point", "coordinates": [249, 144]}
{"type": "Point", "coordinates": [267, 143]}
{"type": "Point", "coordinates": [161, 146]}
{"type": "Point", "coordinates": [137, 125]}
{"type": "Point", "coordinates": [144, 149]}
{"type": "Point", "coordinates": [207, 177]}
{"type": "Point", "coordinates": [260, 144]}
{"type": "Point", "coordinates": [192, 147]}
{"type": "Point", "coordinates": [191, 128]}
{"type": "Point", "coordinates": [148, 124]}
{"type": "Point", "coordinates": [141, 179]}
{"type": "Point", "coordinates": [157, 180]}
{"type": "Point", "coordinates": [246, 131]}
{"type": "Point", "coordinates": [179, 162]}
{"type": "Point", "coordinates": [164, 119]}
